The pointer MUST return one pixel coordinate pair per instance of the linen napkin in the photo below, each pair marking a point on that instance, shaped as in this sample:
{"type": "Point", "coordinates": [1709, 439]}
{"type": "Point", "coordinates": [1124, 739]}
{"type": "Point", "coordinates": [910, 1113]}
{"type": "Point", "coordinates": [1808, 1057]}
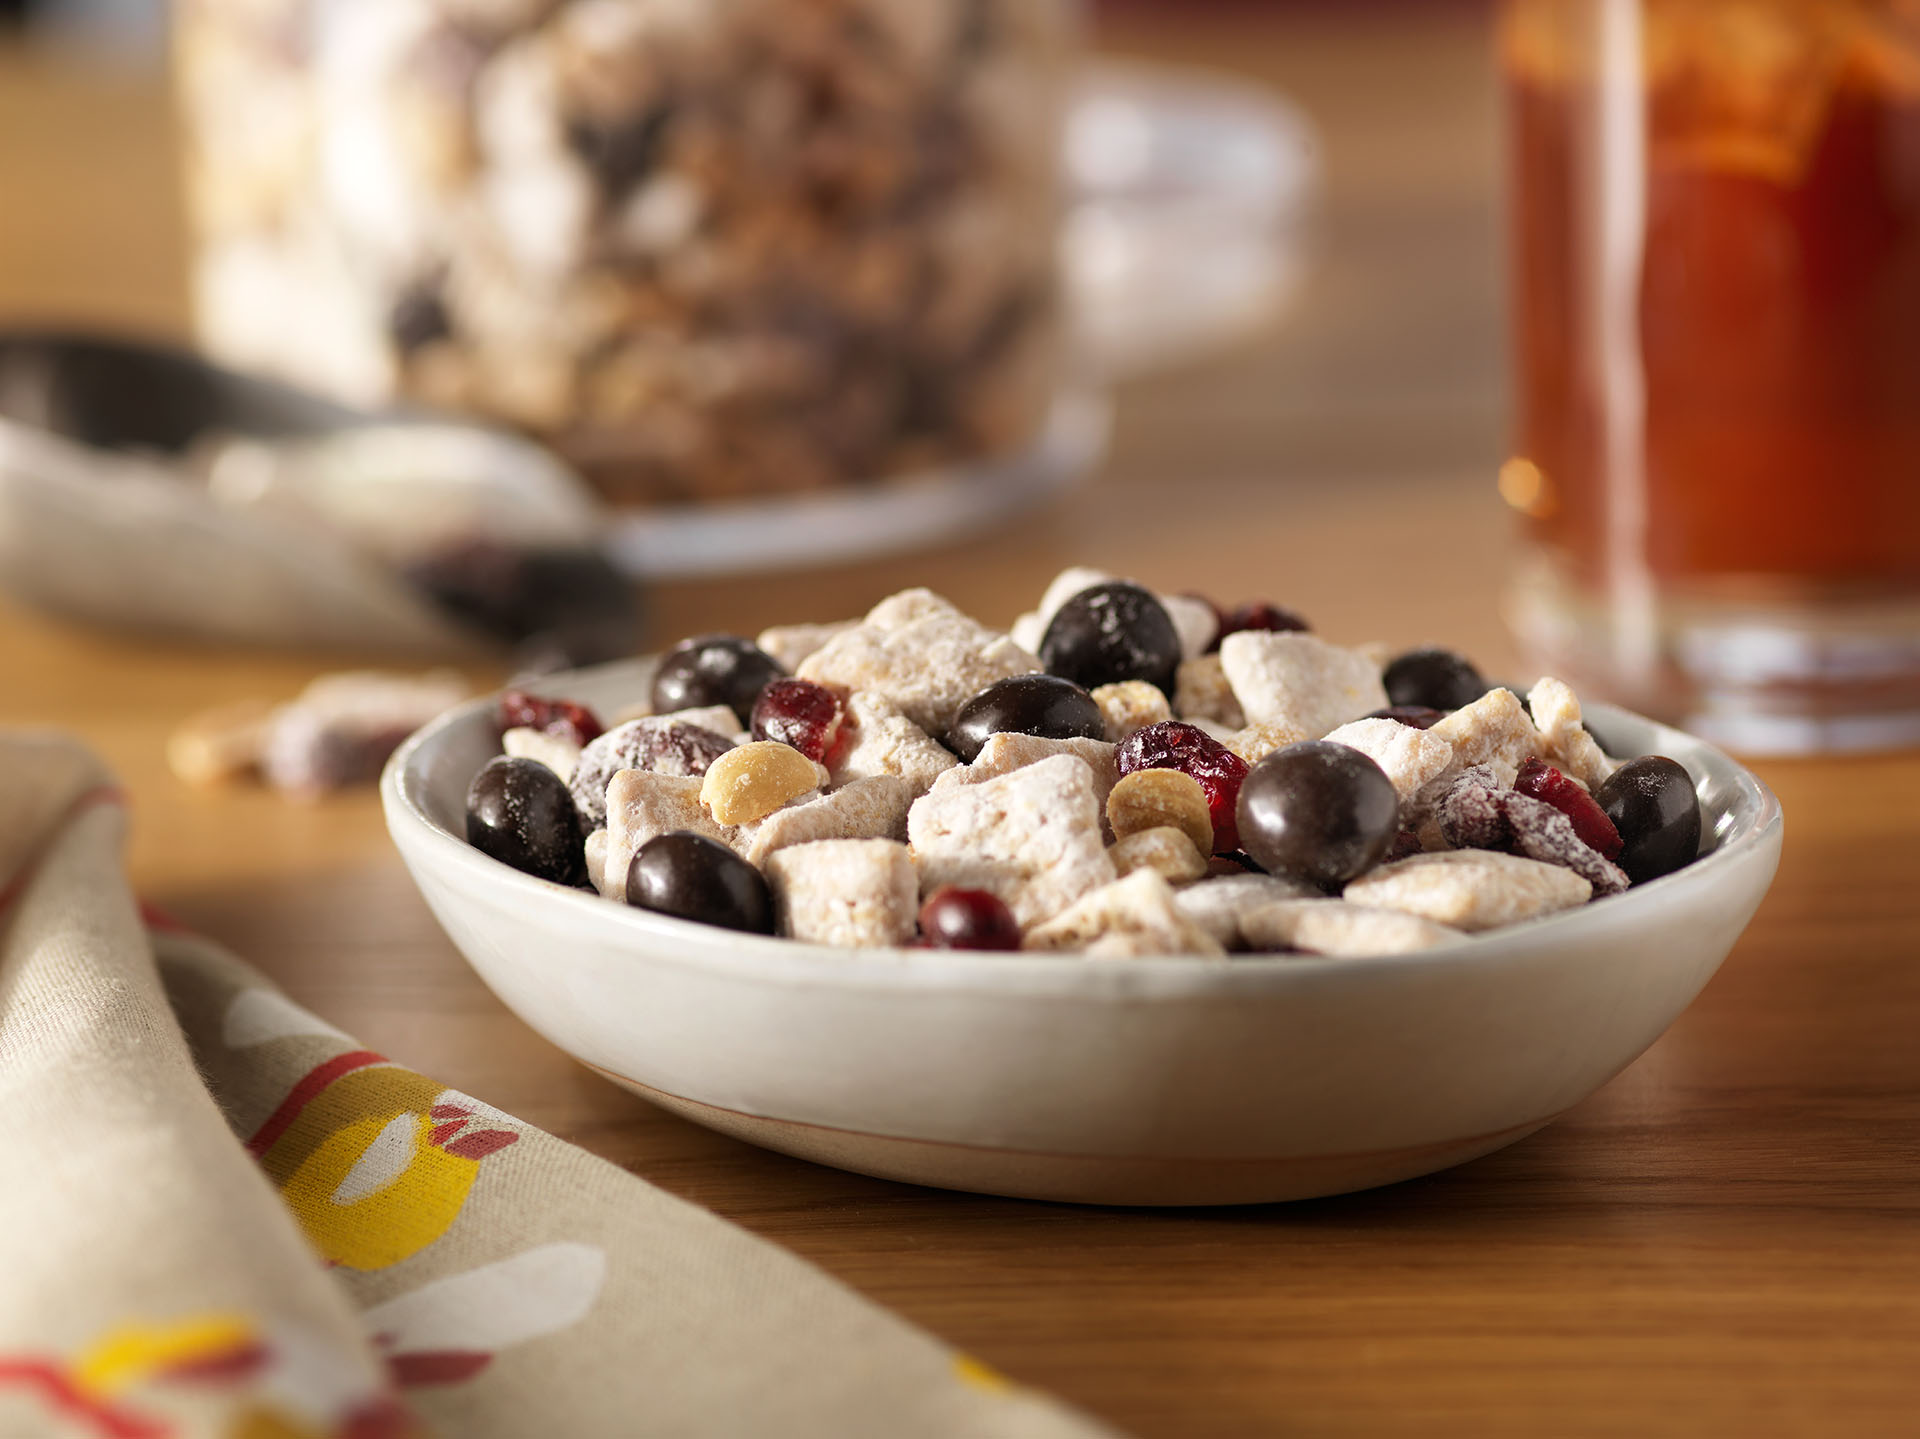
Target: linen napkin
{"type": "Point", "coordinates": [220, 1216]}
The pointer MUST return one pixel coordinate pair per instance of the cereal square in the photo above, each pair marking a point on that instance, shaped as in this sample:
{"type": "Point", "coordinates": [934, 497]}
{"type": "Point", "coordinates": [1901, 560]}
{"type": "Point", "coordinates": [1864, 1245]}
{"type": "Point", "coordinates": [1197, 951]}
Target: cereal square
{"type": "Point", "coordinates": [1138, 912]}
{"type": "Point", "coordinates": [882, 741]}
{"type": "Point", "coordinates": [1411, 757]}
{"type": "Point", "coordinates": [1220, 906]}
{"type": "Point", "coordinates": [861, 893]}
{"type": "Point", "coordinates": [1296, 679]}
{"type": "Point", "coordinates": [1471, 889]}
{"type": "Point", "coordinates": [874, 808]}
{"type": "Point", "coordinates": [641, 805]}
{"type": "Point", "coordinates": [924, 656]}
{"type": "Point", "coordinates": [1335, 926]}
{"type": "Point", "coordinates": [1564, 741]}
{"type": "Point", "coordinates": [1031, 837]}
{"type": "Point", "coordinates": [1493, 731]}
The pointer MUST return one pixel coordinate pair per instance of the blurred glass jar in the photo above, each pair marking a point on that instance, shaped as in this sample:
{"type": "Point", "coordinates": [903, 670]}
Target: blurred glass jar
{"type": "Point", "coordinates": [706, 248]}
{"type": "Point", "coordinates": [1717, 287]}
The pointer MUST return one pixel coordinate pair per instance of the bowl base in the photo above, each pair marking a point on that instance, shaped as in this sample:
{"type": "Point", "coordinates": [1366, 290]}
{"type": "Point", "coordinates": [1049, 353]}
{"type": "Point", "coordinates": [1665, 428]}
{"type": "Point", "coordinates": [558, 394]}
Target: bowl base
{"type": "Point", "coordinates": [1085, 1178]}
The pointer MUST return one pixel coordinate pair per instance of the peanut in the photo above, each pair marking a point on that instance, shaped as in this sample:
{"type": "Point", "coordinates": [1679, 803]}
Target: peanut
{"type": "Point", "coordinates": [751, 781]}
{"type": "Point", "coordinates": [1130, 706]}
{"type": "Point", "coordinates": [1167, 851]}
{"type": "Point", "coordinates": [1152, 798]}
{"type": "Point", "coordinates": [1257, 741]}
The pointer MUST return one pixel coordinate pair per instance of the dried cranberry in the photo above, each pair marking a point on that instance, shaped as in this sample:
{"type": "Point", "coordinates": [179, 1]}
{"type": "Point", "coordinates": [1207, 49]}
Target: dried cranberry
{"type": "Point", "coordinates": [956, 918]}
{"type": "Point", "coordinates": [1543, 782]}
{"type": "Point", "coordinates": [1174, 744]}
{"type": "Point", "coordinates": [1413, 716]}
{"type": "Point", "coordinates": [1258, 615]}
{"type": "Point", "coordinates": [562, 718]}
{"type": "Point", "coordinates": [1319, 810]}
{"type": "Point", "coordinates": [800, 713]}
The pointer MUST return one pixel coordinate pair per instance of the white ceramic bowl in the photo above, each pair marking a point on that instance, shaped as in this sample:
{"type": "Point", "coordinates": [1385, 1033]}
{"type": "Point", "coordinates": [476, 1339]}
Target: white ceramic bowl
{"type": "Point", "coordinates": [1154, 1081]}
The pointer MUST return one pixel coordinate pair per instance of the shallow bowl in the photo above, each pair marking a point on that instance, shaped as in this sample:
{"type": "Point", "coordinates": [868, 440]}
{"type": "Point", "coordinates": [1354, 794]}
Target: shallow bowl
{"type": "Point", "coordinates": [1149, 1081]}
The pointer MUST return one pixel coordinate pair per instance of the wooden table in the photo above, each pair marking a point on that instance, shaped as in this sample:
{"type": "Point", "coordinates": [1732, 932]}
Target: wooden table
{"type": "Point", "coordinates": [1724, 1241]}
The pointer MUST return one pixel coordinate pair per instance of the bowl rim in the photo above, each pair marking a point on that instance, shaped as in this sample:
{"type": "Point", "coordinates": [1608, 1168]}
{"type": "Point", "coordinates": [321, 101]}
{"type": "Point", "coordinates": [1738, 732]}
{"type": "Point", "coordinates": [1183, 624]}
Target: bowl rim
{"type": "Point", "coordinates": [1758, 822]}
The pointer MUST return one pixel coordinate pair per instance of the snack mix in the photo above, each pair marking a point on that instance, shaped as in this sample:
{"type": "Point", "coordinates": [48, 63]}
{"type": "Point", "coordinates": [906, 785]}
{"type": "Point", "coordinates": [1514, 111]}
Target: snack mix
{"type": "Point", "coordinates": [916, 778]}
{"type": "Point", "coordinates": [705, 248]}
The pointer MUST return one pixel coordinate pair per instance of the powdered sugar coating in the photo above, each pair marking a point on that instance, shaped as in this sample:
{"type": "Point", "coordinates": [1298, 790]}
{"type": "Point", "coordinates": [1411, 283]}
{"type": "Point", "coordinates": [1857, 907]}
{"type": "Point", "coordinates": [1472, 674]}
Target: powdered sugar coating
{"type": "Point", "coordinates": [658, 743]}
{"type": "Point", "coordinates": [1471, 889]}
{"type": "Point", "coordinates": [879, 740]}
{"type": "Point", "coordinates": [641, 805]}
{"type": "Point", "coordinates": [874, 808]}
{"type": "Point", "coordinates": [1335, 926]}
{"type": "Point", "coordinates": [1410, 757]}
{"type": "Point", "coordinates": [1127, 917]}
{"type": "Point", "coordinates": [861, 893]}
{"type": "Point", "coordinates": [1031, 837]}
{"type": "Point", "coordinates": [1299, 680]}
{"type": "Point", "coordinates": [1564, 741]}
{"type": "Point", "coordinates": [1493, 731]}
{"type": "Point", "coordinates": [923, 655]}
{"type": "Point", "coordinates": [1220, 906]}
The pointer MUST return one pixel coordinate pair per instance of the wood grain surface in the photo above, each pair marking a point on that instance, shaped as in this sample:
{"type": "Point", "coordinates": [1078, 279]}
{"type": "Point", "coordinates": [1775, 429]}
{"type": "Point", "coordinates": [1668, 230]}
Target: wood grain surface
{"type": "Point", "coordinates": [1724, 1241]}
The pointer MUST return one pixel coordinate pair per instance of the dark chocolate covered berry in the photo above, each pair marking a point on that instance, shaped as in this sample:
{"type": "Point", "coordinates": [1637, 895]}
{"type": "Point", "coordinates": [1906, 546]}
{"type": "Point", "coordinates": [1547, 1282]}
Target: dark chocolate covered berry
{"type": "Point", "coordinates": [1435, 678]}
{"type": "Point", "coordinates": [521, 813]}
{"type": "Point", "coordinates": [1318, 810]}
{"type": "Point", "coordinates": [1043, 705]}
{"type": "Point", "coordinates": [690, 876]}
{"type": "Point", "coordinates": [1652, 803]}
{"type": "Point", "coordinates": [713, 670]}
{"type": "Point", "coordinates": [1109, 633]}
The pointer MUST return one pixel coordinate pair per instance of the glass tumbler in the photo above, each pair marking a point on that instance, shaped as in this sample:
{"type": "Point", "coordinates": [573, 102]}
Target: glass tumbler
{"type": "Point", "coordinates": [1716, 259]}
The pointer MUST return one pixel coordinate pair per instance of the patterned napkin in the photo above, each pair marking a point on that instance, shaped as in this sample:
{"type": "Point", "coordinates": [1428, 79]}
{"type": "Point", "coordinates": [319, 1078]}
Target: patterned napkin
{"type": "Point", "coordinates": [220, 1216]}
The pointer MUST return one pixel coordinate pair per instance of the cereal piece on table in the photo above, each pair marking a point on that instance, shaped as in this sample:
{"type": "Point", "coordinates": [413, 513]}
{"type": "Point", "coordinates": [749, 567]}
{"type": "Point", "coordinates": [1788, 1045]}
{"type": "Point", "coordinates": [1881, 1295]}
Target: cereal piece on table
{"type": "Point", "coordinates": [642, 804]}
{"type": "Point", "coordinates": [1201, 691]}
{"type": "Point", "coordinates": [1493, 731]}
{"type": "Point", "coordinates": [1129, 707]}
{"type": "Point", "coordinates": [1167, 851]}
{"type": "Point", "coordinates": [1255, 742]}
{"type": "Point", "coordinates": [1005, 752]}
{"type": "Point", "coordinates": [1220, 906]}
{"type": "Point", "coordinates": [1194, 620]}
{"type": "Point", "coordinates": [654, 742]}
{"type": "Point", "coordinates": [881, 740]}
{"type": "Point", "coordinates": [1564, 740]}
{"type": "Point", "coordinates": [1476, 814]}
{"type": "Point", "coordinates": [596, 854]}
{"type": "Point", "coordinates": [1138, 911]}
{"type": "Point", "coordinates": [1334, 926]}
{"type": "Point", "coordinates": [926, 657]}
{"type": "Point", "coordinates": [220, 744]}
{"type": "Point", "coordinates": [1471, 889]}
{"type": "Point", "coordinates": [555, 751]}
{"type": "Point", "coordinates": [1157, 798]}
{"type": "Point", "coordinates": [751, 781]}
{"type": "Point", "coordinates": [792, 644]}
{"type": "Point", "coordinates": [1297, 679]}
{"type": "Point", "coordinates": [862, 893]}
{"type": "Point", "coordinates": [1411, 757]}
{"type": "Point", "coordinates": [874, 808]}
{"type": "Point", "coordinates": [1032, 837]}
{"type": "Point", "coordinates": [342, 728]}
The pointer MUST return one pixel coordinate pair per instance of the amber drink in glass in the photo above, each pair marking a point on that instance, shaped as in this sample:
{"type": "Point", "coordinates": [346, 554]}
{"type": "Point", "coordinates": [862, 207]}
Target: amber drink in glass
{"type": "Point", "coordinates": [1716, 250]}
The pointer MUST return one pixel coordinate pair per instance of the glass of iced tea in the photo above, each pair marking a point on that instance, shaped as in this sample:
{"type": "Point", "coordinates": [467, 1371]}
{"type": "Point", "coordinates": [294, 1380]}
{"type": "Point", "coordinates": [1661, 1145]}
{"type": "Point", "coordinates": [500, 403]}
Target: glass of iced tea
{"type": "Point", "coordinates": [1716, 232]}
